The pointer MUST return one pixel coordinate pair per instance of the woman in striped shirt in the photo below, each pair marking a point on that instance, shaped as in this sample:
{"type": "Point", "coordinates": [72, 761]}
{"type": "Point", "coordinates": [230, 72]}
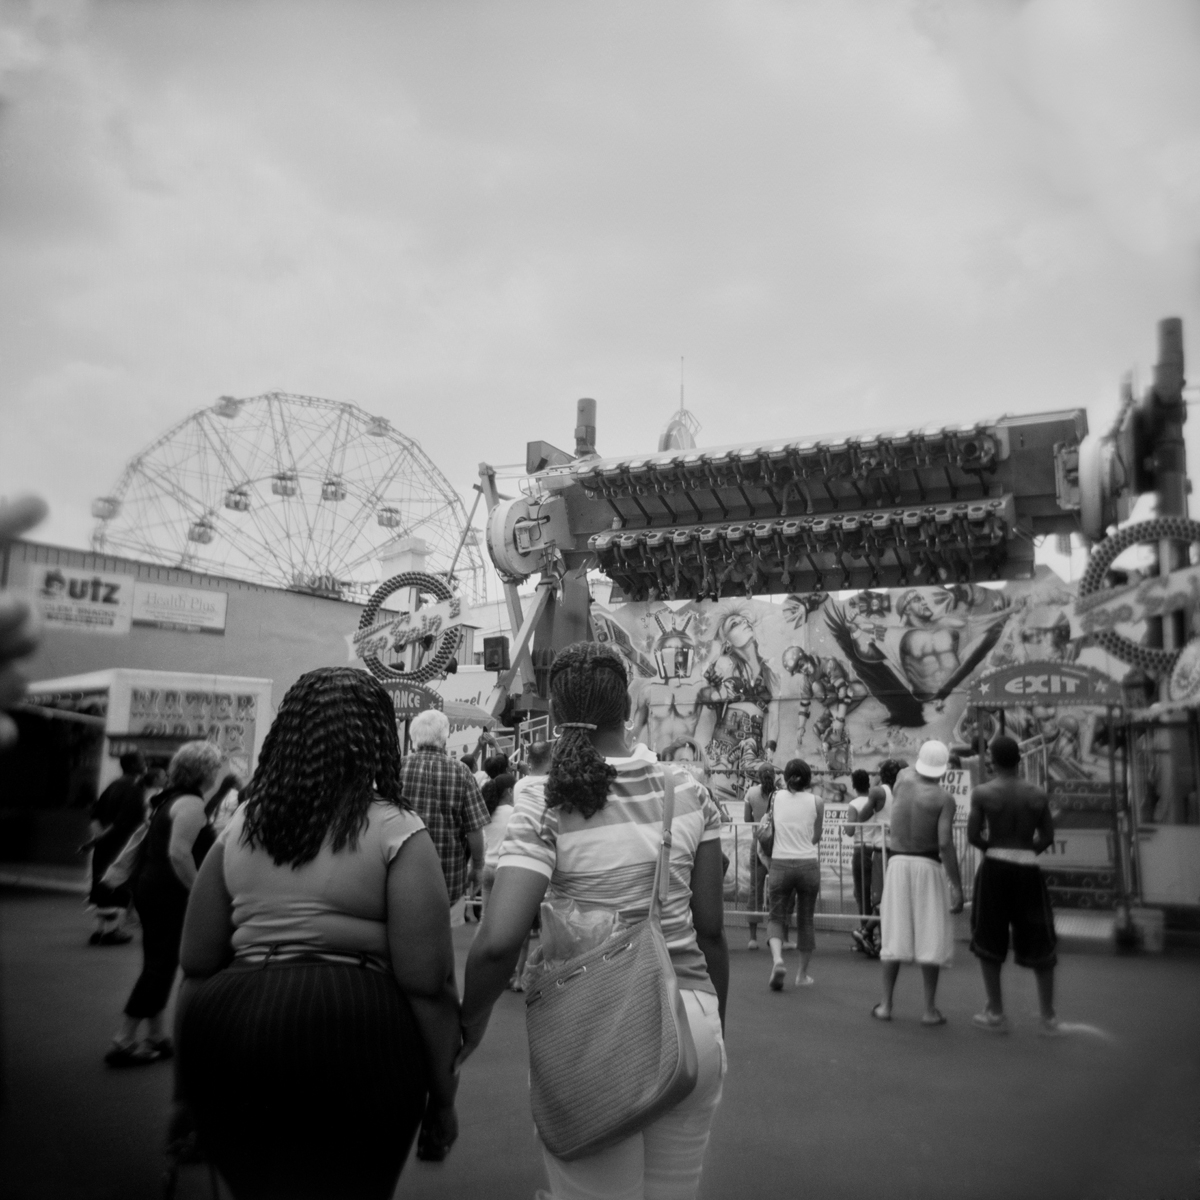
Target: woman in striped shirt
{"type": "Point", "coordinates": [590, 832]}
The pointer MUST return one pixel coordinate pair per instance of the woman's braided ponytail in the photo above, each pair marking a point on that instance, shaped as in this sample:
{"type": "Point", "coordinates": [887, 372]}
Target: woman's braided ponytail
{"type": "Point", "coordinates": [588, 690]}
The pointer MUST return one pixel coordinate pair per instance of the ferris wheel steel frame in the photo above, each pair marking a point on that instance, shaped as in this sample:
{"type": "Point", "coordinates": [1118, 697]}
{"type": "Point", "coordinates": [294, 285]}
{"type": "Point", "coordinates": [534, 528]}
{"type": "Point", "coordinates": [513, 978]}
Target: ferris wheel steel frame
{"type": "Point", "coordinates": [289, 491]}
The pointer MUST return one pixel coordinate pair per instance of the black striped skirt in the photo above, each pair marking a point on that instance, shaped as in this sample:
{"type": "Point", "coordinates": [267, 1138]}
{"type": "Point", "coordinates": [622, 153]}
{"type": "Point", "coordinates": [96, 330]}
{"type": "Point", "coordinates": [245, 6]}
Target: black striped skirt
{"type": "Point", "coordinates": [307, 1079]}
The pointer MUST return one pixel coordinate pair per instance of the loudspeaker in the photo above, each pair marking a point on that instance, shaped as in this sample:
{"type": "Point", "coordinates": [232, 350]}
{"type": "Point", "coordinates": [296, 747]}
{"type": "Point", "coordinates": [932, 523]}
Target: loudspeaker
{"type": "Point", "coordinates": [495, 653]}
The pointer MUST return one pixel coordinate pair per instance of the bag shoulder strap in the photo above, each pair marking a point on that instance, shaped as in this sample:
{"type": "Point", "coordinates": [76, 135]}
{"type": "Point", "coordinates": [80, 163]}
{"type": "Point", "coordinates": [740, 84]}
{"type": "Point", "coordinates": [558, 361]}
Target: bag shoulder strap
{"type": "Point", "coordinates": [662, 870]}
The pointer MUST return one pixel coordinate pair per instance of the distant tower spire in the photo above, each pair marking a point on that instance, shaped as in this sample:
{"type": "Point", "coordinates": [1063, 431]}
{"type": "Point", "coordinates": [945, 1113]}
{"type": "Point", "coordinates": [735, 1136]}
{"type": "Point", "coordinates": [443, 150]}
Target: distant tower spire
{"type": "Point", "coordinates": [681, 430]}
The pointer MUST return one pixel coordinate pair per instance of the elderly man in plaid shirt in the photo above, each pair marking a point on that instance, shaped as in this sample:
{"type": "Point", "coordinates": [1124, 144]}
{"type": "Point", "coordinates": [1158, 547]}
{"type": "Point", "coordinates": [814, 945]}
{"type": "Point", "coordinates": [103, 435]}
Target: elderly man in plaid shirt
{"type": "Point", "coordinates": [446, 797]}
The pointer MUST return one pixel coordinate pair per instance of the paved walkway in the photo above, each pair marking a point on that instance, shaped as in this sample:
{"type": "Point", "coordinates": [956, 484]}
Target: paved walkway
{"type": "Point", "coordinates": [820, 1100]}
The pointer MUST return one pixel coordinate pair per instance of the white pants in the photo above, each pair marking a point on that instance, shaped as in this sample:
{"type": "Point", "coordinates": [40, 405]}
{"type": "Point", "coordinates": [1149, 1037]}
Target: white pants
{"type": "Point", "coordinates": [662, 1161]}
{"type": "Point", "coordinates": [915, 920]}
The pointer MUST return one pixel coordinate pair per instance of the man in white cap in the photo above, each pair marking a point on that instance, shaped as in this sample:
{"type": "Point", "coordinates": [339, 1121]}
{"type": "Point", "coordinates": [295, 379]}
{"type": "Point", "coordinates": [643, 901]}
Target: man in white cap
{"type": "Point", "coordinates": [917, 903]}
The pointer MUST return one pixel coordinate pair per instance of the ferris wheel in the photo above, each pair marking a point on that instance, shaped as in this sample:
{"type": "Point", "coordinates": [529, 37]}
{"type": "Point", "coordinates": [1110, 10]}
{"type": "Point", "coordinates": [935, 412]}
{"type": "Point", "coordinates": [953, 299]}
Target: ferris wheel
{"type": "Point", "coordinates": [291, 491]}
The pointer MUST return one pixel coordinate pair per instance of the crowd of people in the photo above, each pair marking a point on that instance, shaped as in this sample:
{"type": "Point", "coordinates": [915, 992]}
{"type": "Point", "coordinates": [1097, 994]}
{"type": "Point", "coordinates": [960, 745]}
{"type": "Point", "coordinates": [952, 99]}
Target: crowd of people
{"type": "Point", "coordinates": [318, 1027]}
{"type": "Point", "coordinates": [311, 914]}
{"type": "Point", "coordinates": [906, 876]}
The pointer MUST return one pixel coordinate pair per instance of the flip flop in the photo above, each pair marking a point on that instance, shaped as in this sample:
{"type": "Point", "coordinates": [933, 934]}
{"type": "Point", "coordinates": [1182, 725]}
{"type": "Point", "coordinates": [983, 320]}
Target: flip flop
{"type": "Point", "coordinates": [879, 1016]}
{"type": "Point", "coordinates": [937, 1019]}
{"type": "Point", "coordinates": [129, 1056]}
{"type": "Point", "coordinates": [990, 1022]}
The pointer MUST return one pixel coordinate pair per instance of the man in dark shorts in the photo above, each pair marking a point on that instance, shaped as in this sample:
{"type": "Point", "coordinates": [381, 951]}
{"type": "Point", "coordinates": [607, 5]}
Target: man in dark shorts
{"type": "Point", "coordinates": [1010, 822]}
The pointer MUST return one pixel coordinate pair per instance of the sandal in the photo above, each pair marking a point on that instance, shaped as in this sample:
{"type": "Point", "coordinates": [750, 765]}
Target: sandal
{"type": "Point", "coordinates": [777, 974]}
{"type": "Point", "coordinates": [992, 1022]}
{"type": "Point", "coordinates": [128, 1056]}
{"type": "Point", "coordinates": [878, 1014]}
{"type": "Point", "coordinates": [159, 1049]}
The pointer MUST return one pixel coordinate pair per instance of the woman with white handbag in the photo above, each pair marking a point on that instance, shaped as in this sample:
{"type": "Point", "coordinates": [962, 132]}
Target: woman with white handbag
{"type": "Point", "coordinates": [627, 1056]}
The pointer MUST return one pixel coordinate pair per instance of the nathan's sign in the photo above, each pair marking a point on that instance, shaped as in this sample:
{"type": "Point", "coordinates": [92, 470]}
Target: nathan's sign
{"type": "Point", "coordinates": [402, 629]}
{"type": "Point", "coordinates": [1047, 684]}
{"type": "Point", "coordinates": [1136, 602]}
{"type": "Point", "coordinates": [408, 699]}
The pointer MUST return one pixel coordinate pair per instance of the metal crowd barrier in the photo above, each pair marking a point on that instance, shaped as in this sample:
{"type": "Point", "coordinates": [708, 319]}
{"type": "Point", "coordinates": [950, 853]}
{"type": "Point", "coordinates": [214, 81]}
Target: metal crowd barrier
{"type": "Point", "coordinates": [836, 907]}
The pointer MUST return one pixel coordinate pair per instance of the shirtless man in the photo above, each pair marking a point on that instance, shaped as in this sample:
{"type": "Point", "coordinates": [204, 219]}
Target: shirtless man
{"type": "Point", "coordinates": [1010, 822]}
{"type": "Point", "coordinates": [917, 905]}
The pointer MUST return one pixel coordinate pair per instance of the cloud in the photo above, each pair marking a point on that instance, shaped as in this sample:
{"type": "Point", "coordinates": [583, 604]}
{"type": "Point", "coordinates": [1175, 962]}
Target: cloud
{"type": "Point", "coordinates": [464, 217]}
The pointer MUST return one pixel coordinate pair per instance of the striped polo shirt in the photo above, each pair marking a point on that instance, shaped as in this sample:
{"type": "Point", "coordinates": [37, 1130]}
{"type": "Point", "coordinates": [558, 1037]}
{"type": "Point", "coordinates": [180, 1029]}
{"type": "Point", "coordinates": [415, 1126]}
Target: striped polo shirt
{"type": "Point", "coordinates": [608, 860]}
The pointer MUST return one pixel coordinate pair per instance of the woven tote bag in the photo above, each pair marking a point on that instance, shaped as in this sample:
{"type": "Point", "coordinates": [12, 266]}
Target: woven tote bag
{"type": "Point", "coordinates": [610, 1048]}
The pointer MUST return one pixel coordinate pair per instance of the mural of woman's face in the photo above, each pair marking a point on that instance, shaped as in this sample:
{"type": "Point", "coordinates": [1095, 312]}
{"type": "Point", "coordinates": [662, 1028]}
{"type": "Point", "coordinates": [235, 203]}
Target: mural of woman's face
{"type": "Point", "coordinates": [738, 631]}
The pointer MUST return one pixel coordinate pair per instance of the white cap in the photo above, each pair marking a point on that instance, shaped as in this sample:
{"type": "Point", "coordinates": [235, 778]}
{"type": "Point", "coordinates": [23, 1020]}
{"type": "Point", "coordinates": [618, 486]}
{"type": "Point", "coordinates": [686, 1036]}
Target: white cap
{"type": "Point", "coordinates": [933, 759]}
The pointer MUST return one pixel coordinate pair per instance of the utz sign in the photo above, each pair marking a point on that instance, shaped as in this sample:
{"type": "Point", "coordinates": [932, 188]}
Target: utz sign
{"type": "Point", "coordinates": [84, 601]}
{"type": "Point", "coordinates": [1048, 684]}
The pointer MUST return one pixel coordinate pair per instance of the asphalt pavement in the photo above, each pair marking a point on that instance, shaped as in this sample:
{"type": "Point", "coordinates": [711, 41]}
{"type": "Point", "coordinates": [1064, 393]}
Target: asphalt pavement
{"type": "Point", "coordinates": [821, 1100]}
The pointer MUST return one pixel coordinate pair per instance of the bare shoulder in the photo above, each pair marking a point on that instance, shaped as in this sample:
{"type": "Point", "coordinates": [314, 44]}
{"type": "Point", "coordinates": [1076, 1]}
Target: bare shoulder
{"type": "Point", "coordinates": [188, 806]}
{"type": "Point", "coordinates": [1033, 795]}
{"type": "Point", "coordinates": [985, 793]}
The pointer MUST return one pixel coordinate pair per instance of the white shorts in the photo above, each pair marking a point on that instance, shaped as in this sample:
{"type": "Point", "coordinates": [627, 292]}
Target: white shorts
{"type": "Point", "coordinates": [915, 912]}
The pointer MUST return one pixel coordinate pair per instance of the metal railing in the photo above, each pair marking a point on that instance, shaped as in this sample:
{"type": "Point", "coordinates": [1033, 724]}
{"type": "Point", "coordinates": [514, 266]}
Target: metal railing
{"type": "Point", "coordinates": [836, 906]}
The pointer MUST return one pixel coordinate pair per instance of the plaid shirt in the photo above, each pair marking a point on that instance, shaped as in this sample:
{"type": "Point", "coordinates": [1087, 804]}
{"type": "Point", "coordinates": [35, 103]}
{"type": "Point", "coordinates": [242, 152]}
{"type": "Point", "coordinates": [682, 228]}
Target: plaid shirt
{"type": "Point", "coordinates": [446, 797]}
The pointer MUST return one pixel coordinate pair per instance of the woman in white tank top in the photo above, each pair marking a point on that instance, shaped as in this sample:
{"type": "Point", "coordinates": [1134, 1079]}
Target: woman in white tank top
{"type": "Point", "coordinates": [795, 868]}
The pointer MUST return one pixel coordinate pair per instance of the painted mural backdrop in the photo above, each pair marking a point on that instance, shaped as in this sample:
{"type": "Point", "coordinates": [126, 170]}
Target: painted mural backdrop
{"type": "Point", "coordinates": [847, 679]}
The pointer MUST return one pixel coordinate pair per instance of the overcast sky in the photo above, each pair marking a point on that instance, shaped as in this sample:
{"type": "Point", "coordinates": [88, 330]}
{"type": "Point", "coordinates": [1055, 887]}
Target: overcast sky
{"type": "Point", "coordinates": [842, 214]}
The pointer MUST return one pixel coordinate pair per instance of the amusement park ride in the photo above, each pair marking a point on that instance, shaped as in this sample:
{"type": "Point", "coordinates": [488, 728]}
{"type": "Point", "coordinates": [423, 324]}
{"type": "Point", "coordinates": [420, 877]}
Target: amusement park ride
{"type": "Point", "coordinates": [957, 505]}
{"type": "Point", "coordinates": [962, 504]}
{"type": "Point", "coordinates": [953, 506]}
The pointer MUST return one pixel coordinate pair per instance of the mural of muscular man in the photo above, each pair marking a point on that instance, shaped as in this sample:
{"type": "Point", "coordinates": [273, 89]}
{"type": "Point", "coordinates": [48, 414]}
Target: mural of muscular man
{"type": "Point", "coordinates": [939, 637]}
{"type": "Point", "coordinates": [739, 719]}
{"type": "Point", "coordinates": [667, 707]}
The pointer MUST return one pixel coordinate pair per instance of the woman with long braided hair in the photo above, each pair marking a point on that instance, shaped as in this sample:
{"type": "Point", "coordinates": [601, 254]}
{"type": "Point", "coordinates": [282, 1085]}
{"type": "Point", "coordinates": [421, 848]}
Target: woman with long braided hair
{"type": "Point", "coordinates": [588, 832]}
{"type": "Point", "coordinates": [319, 1018]}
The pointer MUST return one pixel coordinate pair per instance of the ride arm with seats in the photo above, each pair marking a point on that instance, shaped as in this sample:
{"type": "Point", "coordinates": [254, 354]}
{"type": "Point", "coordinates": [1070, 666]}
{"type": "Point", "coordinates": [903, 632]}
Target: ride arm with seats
{"type": "Point", "coordinates": [955, 505]}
